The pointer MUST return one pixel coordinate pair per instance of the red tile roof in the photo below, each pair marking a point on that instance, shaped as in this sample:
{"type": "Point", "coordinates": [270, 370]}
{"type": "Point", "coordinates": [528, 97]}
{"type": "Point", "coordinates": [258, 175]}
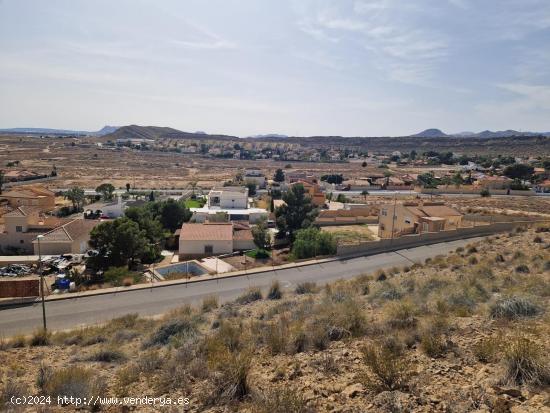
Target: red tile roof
{"type": "Point", "coordinates": [207, 231]}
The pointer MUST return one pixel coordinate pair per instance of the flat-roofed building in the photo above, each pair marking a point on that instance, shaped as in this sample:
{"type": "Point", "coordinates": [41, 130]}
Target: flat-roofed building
{"type": "Point", "coordinates": [407, 218]}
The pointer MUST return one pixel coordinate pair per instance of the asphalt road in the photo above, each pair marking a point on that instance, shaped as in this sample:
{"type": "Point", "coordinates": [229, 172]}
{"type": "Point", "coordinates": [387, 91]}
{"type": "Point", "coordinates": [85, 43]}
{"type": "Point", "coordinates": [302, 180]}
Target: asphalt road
{"type": "Point", "coordinates": [74, 312]}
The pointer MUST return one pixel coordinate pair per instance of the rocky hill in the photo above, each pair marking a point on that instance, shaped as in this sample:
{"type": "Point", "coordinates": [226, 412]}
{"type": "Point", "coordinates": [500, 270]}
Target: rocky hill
{"type": "Point", "coordinates": [468, 332]}
{"type": "Point", "coordinates": [157, 132]}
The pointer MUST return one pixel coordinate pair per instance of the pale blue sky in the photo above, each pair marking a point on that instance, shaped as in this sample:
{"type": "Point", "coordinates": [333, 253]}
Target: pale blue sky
{"type": "Point", "coordinates": [298, 67]}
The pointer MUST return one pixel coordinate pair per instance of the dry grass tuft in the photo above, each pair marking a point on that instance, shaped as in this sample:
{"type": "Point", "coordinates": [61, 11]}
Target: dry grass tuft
{"type": "Point", "coordinates": [525, 362]}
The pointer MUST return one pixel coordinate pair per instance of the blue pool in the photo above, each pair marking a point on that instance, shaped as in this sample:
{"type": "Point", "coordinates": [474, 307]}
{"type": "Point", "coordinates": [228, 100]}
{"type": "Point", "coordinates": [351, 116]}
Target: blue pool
{"type": "Point", "coordinates": [192, 267]}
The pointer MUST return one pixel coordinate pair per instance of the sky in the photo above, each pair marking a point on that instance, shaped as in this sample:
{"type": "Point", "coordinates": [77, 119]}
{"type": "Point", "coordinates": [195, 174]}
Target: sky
{"type": "Point", "coordinates": [295, 67]}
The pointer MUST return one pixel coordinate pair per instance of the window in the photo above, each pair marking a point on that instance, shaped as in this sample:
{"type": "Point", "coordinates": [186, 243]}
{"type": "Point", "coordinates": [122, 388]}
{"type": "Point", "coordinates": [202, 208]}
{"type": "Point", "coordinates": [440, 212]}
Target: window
{"type": "Point", "coordinates": [208, 249]}
{"type": "Point", "coordinates": [407, 220]}
{"type": "Point", "coordinates": [384, 213]}
{"type": "Point", "coordinates": [18, 228]}
{"type": "Point", "coordinates": [21, 241]}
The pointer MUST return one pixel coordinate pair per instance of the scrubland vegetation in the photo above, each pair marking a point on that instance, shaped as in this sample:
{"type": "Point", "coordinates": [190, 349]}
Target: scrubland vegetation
{"type": "Point", "coordinates": [465, 332]}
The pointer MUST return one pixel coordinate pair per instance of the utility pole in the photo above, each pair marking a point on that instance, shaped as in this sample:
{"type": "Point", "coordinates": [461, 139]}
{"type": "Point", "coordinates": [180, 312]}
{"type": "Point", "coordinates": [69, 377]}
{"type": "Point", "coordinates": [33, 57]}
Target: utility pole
{"type": "Point", "coordinates": [393, 217]}
{"type": "Point", "coordinates": [38, 238]}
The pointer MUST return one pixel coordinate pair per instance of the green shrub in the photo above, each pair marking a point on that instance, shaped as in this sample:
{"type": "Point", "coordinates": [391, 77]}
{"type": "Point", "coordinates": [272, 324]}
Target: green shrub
{"type": "Point", "coordinates": [115, 275]}
{"type": "Point", "coordinates": [307, 287]}
{"type": "Point", "coordinates": [253, 294]}
{"type": "Point", "coordinates": [312, 242]}
{"type": "Point", "coordinates": [512, 308]}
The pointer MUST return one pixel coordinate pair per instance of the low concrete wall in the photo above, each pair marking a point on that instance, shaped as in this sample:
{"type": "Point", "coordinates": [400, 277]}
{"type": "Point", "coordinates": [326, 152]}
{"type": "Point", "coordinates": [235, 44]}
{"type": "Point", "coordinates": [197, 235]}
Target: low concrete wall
{"type": "Point", "coordinates": [411, 241]}
{"type": "Point", "coordinates": [490, 218]}
{"type": "Point", "coordinates": [328, 222]}
{"type": "Point", "coordinates": [19, 288]}
{"type": "Point", "coordinates": [476, 191]}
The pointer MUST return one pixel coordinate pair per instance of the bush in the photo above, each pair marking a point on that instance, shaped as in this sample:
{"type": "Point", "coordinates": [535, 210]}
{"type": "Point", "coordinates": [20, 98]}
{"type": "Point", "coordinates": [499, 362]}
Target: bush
{"type": "Point", "coordinates": [400, 315]}
{"type": "Point", "coordinates": [40, 337]}
{"type": "Point", "coordinates": [9, 390]}
{"type": "Point", "coordinates": [18, 341]}
{"type": "Point", "coordinates": [253, 294]}
{"type": "Point", "coordinates": [115, 275]}
{"type": "Point", "coordinates": [275, 292]}
{"type": "Point", "coordinates": [275, 337]}
{"type": "Point", "coordinates": [74, 381]}
{"type": "Point", "coordinates": [149, 361]}
{"type": "Point", "coordinates": [283, 400]}
{"type": "Point", "coordinates": [124, 377]}
{"type": "Point", "coordinates": [433, 344]}
{"type": "Point", "coordinates": [178, 327]}
{"type": "Point", "coordinates": [307, 287]}
{"type": "Point", "coordinates": [209, 303]}
{"type": "Point", "coordinates": [258, 254]}
{"type": "Point", "coordinates": [512, 308]}
{"type": "Point", "coordinates": [43, 377]}
{"type": "Point", "coordinates": [230, 381]}
{"type": "Point", "coordinates": [107, 355]}
{"type": "Point", "coordinates": [390, 370]}
{"type": "Point", "coordinates": [485, 193]}
{"type": "Point", "coordinates": [486, 350]}
{"type": "Point", "coordinates": [522, 269]}
{"type": "Point", "coordinates": [525, 362]}
{"type": "Point", "coordinates": [312, 242]}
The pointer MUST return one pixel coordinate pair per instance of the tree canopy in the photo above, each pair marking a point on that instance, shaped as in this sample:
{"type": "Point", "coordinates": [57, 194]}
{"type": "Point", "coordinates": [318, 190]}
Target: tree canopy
{"type": "Point", "coordinates": [76, 196]}
{"type": "Point", "coordinates": [279, 175]}
{"type": "Point", "coordinates": [106, 191]}
{"type": "Point", "coordinates": [119, 242]}
{"type": "Point", "coordinates": [312, 242]}
{"type": "Point", "coordinates": [299, 212]}
{"type": "Point", "coordinates": [519, 171]}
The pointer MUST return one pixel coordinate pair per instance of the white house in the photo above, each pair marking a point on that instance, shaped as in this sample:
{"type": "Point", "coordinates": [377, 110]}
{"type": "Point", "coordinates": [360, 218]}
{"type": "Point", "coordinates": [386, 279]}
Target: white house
{"type": "Point", "coordinates": [228, 204]}
{"type": "Point", "coordinates": [256, 176]}
{"type": "Point", "coordinates": [232, 197]}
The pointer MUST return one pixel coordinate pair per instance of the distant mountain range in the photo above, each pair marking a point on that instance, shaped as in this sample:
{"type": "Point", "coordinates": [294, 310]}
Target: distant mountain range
{"type": "Point", "coordinates": [437, 133]}
{"type": "Point", "coordinates": [159, 132]}
{"type": "Point", "coordinates": [60, 132]}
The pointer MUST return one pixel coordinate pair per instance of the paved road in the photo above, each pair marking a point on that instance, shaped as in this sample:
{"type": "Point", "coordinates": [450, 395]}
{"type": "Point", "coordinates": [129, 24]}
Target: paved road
{"type": "Point", "coordinates": [74, 312]}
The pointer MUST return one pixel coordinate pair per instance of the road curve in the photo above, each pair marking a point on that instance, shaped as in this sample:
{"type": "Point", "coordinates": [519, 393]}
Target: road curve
{"type": "Point", "coordinates": [75, 312]}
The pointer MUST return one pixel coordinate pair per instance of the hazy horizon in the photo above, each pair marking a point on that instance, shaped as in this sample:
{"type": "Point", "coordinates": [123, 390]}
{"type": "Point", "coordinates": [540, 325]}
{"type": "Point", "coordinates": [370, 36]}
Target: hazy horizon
{"type": "Point", "coordinates": [293, 67]}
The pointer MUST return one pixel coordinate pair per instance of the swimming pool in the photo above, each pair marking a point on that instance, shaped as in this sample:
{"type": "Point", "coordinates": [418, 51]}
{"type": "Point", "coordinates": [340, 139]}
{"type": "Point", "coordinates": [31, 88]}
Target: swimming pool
{"type": "Point", "coordinates": [191, 267]}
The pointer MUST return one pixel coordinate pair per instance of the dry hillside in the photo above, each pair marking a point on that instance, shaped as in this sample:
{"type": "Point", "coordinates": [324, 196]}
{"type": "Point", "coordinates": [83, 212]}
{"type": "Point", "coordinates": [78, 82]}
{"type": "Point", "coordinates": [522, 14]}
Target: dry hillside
{"type": "Point", "coordinates": [462, 333]}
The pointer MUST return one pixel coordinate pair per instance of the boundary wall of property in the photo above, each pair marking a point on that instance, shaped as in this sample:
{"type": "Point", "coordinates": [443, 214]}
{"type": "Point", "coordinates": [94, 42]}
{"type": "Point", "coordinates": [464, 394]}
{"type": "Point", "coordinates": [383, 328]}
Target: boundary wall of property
{"type": "Point", "coordinates": [417, 240]}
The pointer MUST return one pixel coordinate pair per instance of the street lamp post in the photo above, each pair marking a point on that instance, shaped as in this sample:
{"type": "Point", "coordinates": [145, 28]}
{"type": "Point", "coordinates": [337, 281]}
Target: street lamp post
{"type": "Point", "coordinates": [38, 238]}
